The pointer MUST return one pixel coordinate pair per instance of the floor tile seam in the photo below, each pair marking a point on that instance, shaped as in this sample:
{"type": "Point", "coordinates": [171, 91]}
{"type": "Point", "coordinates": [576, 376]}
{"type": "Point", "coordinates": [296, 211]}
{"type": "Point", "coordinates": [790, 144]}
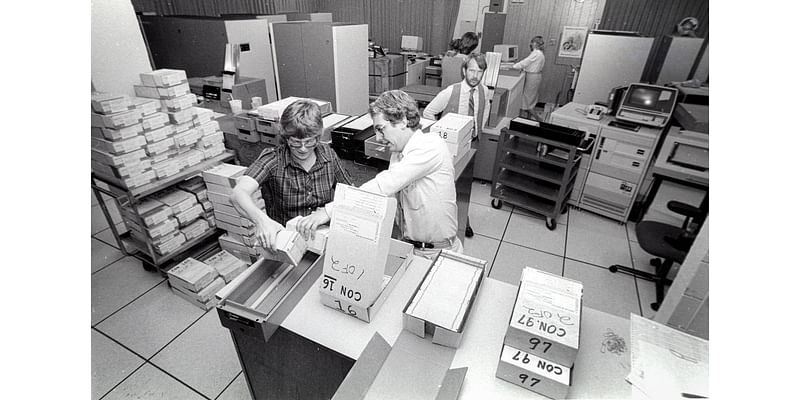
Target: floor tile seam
{"type": "Point", "coordinates": [178, 335]}
{"type": "Point", "coordinates": [107, 265]}
{"type": "Point", "coordinates": [229, 384]}
{"type": "Point", "coordinates": [496, 252]}
{"type": "Point", "coordinates": [589, 263]}
{"type": "Point", "coordinates": [536, 216]}
{"type": "Point", "coordinates": [132, 300]}
{"type": "Point", "coordinates": [95, 236]}
{"type": "Point", "coordinates": [177, 379]}
{"type": "Point", "coordinates": [635, 280]}
{"type": "Point", "coordinates": [122, 381]}
{"type": "Point", "coordinates": [96, 329]}
{"type": "Point", "coordinates": [533, 248]}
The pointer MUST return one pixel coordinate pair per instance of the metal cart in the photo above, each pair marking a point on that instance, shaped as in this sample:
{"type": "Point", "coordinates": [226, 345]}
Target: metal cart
{"type": "Point", "coordinates": [536, 166]}
{"type": "Point", "coordinates": [122, 196]}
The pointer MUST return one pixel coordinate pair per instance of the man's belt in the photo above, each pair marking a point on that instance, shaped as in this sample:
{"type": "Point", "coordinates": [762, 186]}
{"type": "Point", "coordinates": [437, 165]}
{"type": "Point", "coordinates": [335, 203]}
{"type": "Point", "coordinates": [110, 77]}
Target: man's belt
{"type": "Point", "coordinates": [430, 245]}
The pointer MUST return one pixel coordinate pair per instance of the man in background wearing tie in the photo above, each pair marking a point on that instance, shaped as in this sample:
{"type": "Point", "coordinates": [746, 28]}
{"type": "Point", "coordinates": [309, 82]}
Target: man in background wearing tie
{"type": "Point", "coordinates": [468, 97]}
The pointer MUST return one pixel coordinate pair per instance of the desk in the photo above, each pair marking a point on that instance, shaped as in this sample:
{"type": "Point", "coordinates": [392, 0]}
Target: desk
{"type": "Point", "coordinates": [664, 170]}
{"type": "Point", "coordinates": [316, 346]}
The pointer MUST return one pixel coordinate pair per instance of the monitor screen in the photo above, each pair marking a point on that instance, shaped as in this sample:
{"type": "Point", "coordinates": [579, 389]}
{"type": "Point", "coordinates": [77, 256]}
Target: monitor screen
{"type": "Point", "coordinates": [649, 97]}
{"type": "Point", "coordinates": [411, 43]}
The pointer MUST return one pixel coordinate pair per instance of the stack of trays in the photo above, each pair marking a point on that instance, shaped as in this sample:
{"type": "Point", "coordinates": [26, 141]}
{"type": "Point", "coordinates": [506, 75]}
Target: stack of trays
{"type": "Point", "coordinates": [542, 339]}
{"type": "Point", "coordinates": [226, 265]}
{"type": "Point", "coordinates": [196, 282]}
{"type": "Point", "coordinates": [139, 140]}
{"type": "Point", "coordinates": [456, 130]}
{"type": "Point", "coordinates": [239, 239]}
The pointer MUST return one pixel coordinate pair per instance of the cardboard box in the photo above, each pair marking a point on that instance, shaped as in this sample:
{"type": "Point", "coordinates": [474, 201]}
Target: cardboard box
{"type": "Point", "coordinates": [289, 248]}
{"type": "Point", "coordinates": [458, 150]}
{"type": "Point", "coordinates": [214, 150]}
{"type": "Point", "coordinates": [179, 103]}
{"type": "Point", "coordinates": [195, 229]}
{"type": "Point", "coordinates": [137, 178]}
{"type": "Point", "coordinates": [208, 206]}
{"type": "Point", "coordinates": [163, 78]}
{"type": "Point", "coordinates": [122, 160]}
{"type": "Point", "coordinates": [207, 141]}
{"type": "Point", "coordinates": [117, 120]}
{"type": "Point", "coordinates": [180, 292]}
{"type": "Point", "coordinates": [230, 210]}
{"type": "Point", "coordinates": [184, 127]}
{"type": "Point", "coordinates": [317, 244]}
{"type": "Point", "coordinates": [152, 212]}
{"type": "Point", "coordinates": [546, 318]}
{"type": "Point", "coordinates": [117, 134]}
{"type": "Point", "coordinates": [273, 111]}
{"type": "Point", "coordinates": [534, 373]}
{"type": "Point", "coordinates": [148, 106]}
{"type": "Point", "coordinates": [209, 128]}
{"type": "Point", "coordinates": [230, 245]}
{"type": "Point", "coordinates": [453, 128]}
{"type": "Point", "coordinates": [235, 219]}
{"type": "Point", "coordinates": [179, 200]}
{"type": "Point", "coordinates": [443, 300]}
{"type": "Point", "coordinates": [171, 245]}
{"type": "Point", "coordinates": [191, 274]}
{"type": "Point", "coordinates": [166, 228]}
{"type": "Point", "coordinates": [201, 116]}
{"type": "Point", "coordinates": [109, 103]}
{"type": "Point", "coordinates": [126, 171]}
{"type": "Point", "coordinates": [181, 117]}
{"type": "Point", "coordinates": [244, 231]}
{"type": "Point", "coordinates": [193, 157]}
{"type": "Point", "coordinates": [187, 138]}
{"type": "Point", "coordinates": [188, 216]}
{"type": "Point", "coordinates": [160, 147]}
{"type": "Point", "coordinates": [119, 147]}
{"type": "Point", "coordinates": [226, 264]}
{"type": "Point", "coordinates": [249, 240]}
{"type": "Point", "coordinates": [162, 92]}
{"type": "Point", "coordinates": [159, 134]}
{"type": "Point", "coordinates": [168, 155]}
{"type": "Point", "coordinates": [223, 174]}
{"type": "Point", "coordinates": [155, 121]}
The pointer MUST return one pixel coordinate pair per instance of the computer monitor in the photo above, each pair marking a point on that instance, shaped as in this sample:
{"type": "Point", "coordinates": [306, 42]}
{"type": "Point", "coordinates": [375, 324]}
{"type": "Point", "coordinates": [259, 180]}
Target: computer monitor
{"type": "Point", "coordinates": [509, 52]}
{"type": "Point", "coordinates": [648, 104]}
{"type": "Point", "coordinates": [411, 43]}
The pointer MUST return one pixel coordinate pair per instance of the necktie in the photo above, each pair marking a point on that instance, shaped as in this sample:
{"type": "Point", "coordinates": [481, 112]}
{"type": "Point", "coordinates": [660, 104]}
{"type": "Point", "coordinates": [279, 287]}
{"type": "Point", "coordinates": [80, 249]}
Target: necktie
{"type": "Point", "coordinates": [471, 102]}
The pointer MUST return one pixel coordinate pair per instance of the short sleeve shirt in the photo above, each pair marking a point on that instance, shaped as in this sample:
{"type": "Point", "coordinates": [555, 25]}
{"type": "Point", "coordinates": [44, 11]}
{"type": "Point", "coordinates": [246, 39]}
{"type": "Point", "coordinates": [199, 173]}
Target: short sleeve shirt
{"type": "Point", "coordinates": [289, 190]}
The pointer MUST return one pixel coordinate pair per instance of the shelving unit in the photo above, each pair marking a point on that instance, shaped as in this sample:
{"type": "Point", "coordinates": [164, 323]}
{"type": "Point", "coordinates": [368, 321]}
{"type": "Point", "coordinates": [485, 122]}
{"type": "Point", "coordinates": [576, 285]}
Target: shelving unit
{"type": "Point", "coordinates": [528, 173]}
{"type": "Point", "coordinates": [124, 197]}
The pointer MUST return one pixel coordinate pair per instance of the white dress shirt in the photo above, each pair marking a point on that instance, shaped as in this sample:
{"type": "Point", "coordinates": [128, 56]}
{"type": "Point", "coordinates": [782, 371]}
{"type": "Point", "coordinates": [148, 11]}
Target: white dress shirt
{"type": "Point", "coordinates": [423, 178]}
{"type": "Point", "coordinates": [439, 103]}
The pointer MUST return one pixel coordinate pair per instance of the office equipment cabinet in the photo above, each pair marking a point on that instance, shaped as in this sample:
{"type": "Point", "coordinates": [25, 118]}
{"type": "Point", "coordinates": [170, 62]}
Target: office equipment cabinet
{"type": "Point", "coordinates": [609, 181]}
{"type": "Point", "coordinates": [197, 45]}
{"type": "Point", "coordinates": [535, 169]}
{"type": "Point", "coordinates": [322, 60]}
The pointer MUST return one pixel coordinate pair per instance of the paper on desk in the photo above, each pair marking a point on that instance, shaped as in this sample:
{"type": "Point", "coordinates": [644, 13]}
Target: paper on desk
{"type": "Point", "coordinates": [666, 362]}
{"type": "Point", "coordinates": [361, 123]}
{"type": "Point", "coordinates": [443, 297]}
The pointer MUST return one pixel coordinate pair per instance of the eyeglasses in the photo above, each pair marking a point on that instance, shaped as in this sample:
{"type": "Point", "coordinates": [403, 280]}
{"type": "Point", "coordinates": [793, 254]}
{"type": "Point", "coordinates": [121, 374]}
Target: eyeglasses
{"type": "Point", "coordinates": [307, 143]}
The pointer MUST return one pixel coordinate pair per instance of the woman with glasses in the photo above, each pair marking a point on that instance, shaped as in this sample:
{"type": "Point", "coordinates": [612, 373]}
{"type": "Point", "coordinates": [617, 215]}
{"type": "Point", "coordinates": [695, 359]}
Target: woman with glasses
{"type": "Point", "coordinates": [295, 178]}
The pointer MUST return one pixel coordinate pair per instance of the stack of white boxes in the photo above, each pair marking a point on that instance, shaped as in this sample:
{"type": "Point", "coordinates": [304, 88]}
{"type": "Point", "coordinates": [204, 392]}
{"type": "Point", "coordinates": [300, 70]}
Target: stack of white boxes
{"type": "Point", "coordinates": [196, 282]}
{"type": "Point", "coordinates": [118, 140]}
{"type": "Point", "coordinates": [226, 265]}
{"type": "Point", "coordinates": [138, 140]}
{"type": "Point", "coordinates": [543, 336]}
{"type": "Point", "coordinates": [239, 239]}
{"type": "Point", "coordinates": [456, 130]}
{"type": "Point", "coordinates": [197, 186]}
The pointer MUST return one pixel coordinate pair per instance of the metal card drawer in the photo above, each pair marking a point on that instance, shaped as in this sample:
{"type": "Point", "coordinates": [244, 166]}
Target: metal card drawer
{"type": "Point", "coordinates": [372, 148]}
{"type": "Point", "coordinates": [267, 126]}
{"type": "Point", "coordinates": [244, 122]}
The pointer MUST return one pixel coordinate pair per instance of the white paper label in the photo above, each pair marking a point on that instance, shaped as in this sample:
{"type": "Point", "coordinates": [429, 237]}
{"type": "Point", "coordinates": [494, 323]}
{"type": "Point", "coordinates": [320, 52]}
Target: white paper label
{"type": "Point", "coordinates": [539, 366]}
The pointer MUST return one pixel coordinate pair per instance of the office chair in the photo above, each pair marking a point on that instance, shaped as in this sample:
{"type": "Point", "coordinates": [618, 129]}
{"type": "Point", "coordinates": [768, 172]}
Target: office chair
{"type": "Point", "coordinates": [669, 243]}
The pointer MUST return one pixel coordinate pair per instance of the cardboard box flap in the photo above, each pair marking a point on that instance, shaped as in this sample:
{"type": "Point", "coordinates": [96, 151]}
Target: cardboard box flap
{"type": "Point", "coordinates": [358, 380]}
{"type": "Point", "coordinates": [451, 385]}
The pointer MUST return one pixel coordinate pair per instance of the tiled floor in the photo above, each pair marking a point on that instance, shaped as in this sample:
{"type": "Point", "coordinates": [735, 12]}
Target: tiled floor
{"type": "Point", "coordinates": [150, 343]}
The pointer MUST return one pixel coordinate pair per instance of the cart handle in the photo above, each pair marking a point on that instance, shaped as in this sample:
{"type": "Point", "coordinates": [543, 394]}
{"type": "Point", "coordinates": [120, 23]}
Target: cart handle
{"type": "Point", "coordinates": [588, 147]}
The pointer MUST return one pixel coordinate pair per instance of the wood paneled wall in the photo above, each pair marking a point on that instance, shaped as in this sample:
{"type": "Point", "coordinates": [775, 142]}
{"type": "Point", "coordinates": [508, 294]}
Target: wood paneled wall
{"type": "Point", "coordinates": [653, 18]}
{"type": "Point", "coordinates": [547, 18]}
{"type": "Point", "coordinates": [215, 8]}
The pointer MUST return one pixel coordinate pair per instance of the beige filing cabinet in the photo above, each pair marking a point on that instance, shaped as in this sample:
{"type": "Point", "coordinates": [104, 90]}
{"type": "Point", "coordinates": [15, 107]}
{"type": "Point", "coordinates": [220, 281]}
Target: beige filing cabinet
{"type": "Point", "coordinates": [608, 184]}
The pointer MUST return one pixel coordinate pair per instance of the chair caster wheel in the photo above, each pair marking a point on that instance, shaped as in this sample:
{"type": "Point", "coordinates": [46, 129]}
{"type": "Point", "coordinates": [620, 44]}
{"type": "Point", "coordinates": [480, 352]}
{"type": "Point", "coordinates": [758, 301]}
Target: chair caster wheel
{"type": "Point", "coordinates": [149, 267]}
{"type": "Point", "coordinates": [468, 232]}
{"type": "Point", "coordinates": [612, 268]}
{"type": "Point", "coordinates": [497, 204]}
{"type": "Point", "coordinates": [655, 306]}
{"type": "Point", "coordinates": [551, 224]}
{"type": "Point", "coordinates": [655, 262]}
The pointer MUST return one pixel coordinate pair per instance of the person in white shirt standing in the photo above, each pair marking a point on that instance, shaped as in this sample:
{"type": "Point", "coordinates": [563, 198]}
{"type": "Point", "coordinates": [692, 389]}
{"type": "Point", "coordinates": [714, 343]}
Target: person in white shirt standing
{"type": "Point", "coordinates": [532, 65]}
{"type": "Point", "coordinates": [420, 174]}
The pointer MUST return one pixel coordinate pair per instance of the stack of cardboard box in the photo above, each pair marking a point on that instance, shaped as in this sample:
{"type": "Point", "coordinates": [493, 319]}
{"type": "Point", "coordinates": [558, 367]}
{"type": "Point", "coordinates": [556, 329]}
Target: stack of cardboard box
{"type": "Point", "coordinates": [226, 265]}
{"type": "Point", "coordinates": [456, 130]}
{"type": "Point", "coordinates": [196, 282]}
{"type": "Point", "coordinates": [239, 239]}
{"type": "Point", "coordinates": [139, 140]}
{"type": "Point", "coordinates": [118, 140]}
{"type": "Point", "coordinates": [542, 339]}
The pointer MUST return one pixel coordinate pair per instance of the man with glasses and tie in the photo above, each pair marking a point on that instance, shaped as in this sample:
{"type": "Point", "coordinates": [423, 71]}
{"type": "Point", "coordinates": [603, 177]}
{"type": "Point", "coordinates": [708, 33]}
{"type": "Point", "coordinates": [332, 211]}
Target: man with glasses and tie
{"type": "Point", "coordinates": [296, 177]}
{"type": "Point", "coordinates": [468, 97]}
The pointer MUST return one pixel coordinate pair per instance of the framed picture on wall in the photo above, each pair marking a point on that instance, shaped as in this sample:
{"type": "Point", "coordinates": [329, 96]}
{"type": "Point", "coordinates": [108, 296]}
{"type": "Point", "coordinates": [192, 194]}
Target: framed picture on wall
{"type": "Point", "coordinates": [573, 39]}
